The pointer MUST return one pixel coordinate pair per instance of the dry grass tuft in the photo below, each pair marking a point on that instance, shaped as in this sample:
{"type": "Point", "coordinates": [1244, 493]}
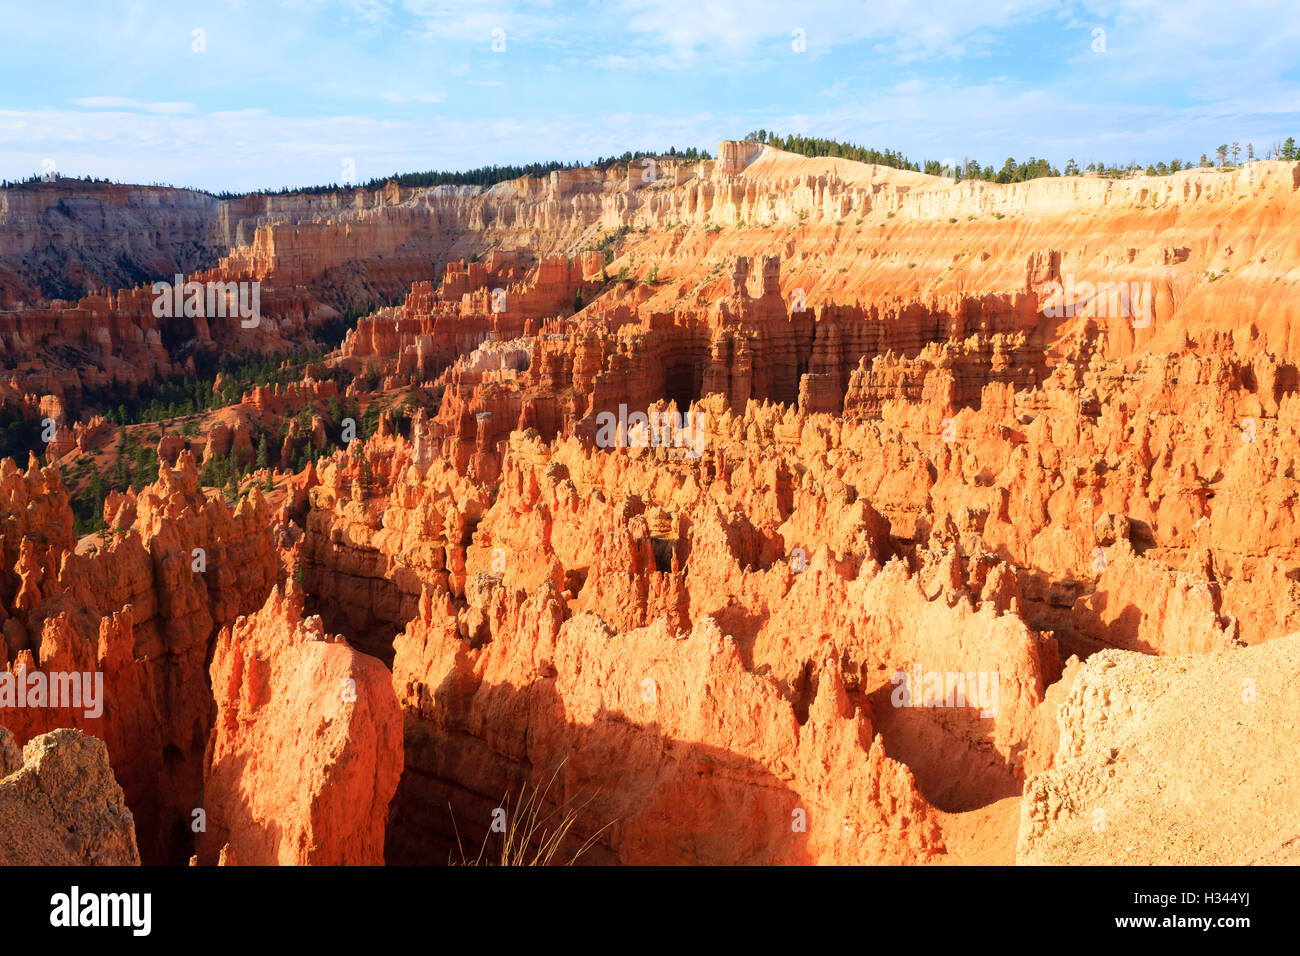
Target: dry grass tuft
{"type": "Point", "coordinates": [533, 835]}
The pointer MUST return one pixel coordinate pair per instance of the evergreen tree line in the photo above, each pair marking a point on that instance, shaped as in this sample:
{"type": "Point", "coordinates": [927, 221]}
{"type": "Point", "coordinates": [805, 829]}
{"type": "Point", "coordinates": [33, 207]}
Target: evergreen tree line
{"type": "Point", "coordinates": [481, 176]}
{"type": "Point", "coordinates": [135, 466]}
{"type": "Point", "coordinates": [40, 178]}
{"type": "Point", "coordinates": [820, 146]}
{"type": "Point", "coordinates": [1010, 171]}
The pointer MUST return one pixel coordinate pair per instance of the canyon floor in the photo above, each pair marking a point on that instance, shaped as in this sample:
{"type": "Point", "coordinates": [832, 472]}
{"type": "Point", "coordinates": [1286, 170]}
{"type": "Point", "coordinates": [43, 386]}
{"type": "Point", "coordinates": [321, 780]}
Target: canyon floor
{"type": "Point", "coordinates": [760, 510]}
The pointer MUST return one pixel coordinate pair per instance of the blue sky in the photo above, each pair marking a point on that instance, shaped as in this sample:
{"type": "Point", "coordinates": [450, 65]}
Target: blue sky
{"type": "Point", "coordinates": [308, 91]}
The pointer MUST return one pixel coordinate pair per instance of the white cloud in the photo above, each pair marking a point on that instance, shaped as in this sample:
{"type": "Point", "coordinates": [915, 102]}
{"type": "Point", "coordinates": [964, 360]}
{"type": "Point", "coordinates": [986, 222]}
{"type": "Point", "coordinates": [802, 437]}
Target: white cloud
{"type": "Point", "coordinates": [126, 103]}
{"type": "Point", "coordinates": [391, 96]}
{"type": "Point", "coordinates": [473, 21]}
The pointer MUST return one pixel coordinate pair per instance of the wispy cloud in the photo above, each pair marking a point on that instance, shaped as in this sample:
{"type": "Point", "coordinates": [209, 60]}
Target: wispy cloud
{"type": "Point", "coordinates": [390, 96]}
{"type": "Point", "coordinates": [126, 103]}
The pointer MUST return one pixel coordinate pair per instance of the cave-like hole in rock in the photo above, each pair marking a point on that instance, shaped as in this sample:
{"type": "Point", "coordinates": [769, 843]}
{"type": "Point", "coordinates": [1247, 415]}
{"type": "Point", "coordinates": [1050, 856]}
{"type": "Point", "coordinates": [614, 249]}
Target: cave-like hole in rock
{"type": "Point", "coordinates": [682, 385]}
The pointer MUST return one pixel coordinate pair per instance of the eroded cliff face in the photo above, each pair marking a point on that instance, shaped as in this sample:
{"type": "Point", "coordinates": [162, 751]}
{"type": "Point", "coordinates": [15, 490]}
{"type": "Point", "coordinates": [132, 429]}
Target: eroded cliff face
{"type": "Point", "coordinates": [670, 612]}
{"type": "Point", "coordinates": [764, 510]}
{"type": "Point", "coordinates": [142, 613]}
{"type": "Point", "coordinates": [850, 232]}
{"type": "Point", "coordinates": [666, 748]}
{"type": "Point", "coordinates": [846, 232]}
{"type": "Point", "coordinates": [63, 238]}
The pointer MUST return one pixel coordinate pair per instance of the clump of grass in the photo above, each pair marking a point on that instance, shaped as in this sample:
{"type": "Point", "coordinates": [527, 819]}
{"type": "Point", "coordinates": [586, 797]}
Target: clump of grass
{"type": "Point", "coordinates": [533, 834]}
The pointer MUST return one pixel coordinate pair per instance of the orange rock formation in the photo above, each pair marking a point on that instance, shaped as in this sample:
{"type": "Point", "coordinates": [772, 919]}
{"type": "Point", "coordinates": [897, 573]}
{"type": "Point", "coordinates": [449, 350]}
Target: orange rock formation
{"type": "Point", "coordinates": [306, 749]}
{"type": "Point", "coordinates": [927, 490]}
